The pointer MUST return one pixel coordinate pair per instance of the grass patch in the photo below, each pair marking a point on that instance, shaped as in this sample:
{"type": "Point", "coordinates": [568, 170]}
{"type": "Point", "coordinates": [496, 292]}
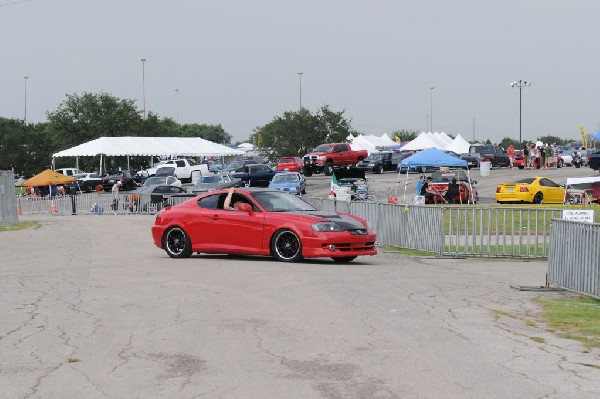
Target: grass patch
{"type": "Point", "coordinates": [504, 314]}
{"type": "Point", "coordinates": [20, 226]}
{"type": "Point", "coordinates": [516, 219]}
{"type": "Point", "coordinates": [406, 251]}
{"type": "Point", "coordinates": [539, 340]}
{"type": "Point", "coordinates": [498, 250]}
{"type": "Point", "coordinates": [72, 359]}
{"type": "Point", "coordinates": [575, 318]}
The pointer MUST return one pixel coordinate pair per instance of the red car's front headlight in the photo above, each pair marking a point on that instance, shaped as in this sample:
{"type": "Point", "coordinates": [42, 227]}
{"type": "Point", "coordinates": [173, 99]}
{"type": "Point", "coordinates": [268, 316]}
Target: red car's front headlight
{"type": "Point", "coordinates": [326, 227]}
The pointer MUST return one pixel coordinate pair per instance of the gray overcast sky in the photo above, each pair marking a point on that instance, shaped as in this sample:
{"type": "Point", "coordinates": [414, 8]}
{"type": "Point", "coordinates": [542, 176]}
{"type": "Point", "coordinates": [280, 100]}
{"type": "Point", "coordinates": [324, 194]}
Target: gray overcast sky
{"type": "Point", "coordinates": [235, 62]}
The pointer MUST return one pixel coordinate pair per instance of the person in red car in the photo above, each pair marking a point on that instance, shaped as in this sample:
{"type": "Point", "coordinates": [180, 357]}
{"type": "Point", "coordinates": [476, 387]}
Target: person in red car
{"type": "Point", "coordinates": [227, 205]}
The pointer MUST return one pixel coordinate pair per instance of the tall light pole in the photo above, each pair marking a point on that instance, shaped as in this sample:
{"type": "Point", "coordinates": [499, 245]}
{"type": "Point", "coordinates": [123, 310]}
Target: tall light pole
{"type": "Point", "coordinates": [431, 107]}
{"type": "Point", "coordinates": [520, 84]}
{"type": "Point", "coordinates": [144, 85]}
{"type": "Point", "coordinates": [25, 115]}
{"type": "Point", "coordinates": [427, 117]}
{"type": "Point", "coordinates": [177, 105]}
{"type": "Point", "coordinates": [300, 76]}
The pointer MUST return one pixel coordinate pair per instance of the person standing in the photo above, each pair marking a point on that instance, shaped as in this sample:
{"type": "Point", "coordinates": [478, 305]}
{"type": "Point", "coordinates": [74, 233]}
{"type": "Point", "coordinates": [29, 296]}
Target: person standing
{"type": "Point", "coordinates": [526, 156]}
{"type": "Point", "coordinates": [542, 156]}
{"type": "Point", "coordinates": [420, 184]}
{"type": "Point", "coordinates": [555, 154]}
{"type": "Point", "coordinates": [511, 155]}
{"type": "Point", "coordinates": [115, 196]}
{"type": "Point", "coordinates": [533, 153]}
{"type": "Point", "coordinates": [549, 158]}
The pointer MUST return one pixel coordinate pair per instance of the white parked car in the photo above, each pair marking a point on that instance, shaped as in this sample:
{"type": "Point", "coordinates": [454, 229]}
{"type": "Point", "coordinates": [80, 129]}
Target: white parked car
{"type": "Point", "coordinates": [69, 171]}
{"type": "Point", "coordinates": [567, 159]}
{"type": "Point", "coordinates": [162, 181]}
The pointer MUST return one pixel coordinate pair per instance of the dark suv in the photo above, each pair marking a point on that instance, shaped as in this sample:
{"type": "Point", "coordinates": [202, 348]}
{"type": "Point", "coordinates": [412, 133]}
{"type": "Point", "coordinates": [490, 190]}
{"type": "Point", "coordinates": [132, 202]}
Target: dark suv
{"type": "Point", "coordinates": [379, 162]}
{"type": "Point", "coordinates": [493, 153]}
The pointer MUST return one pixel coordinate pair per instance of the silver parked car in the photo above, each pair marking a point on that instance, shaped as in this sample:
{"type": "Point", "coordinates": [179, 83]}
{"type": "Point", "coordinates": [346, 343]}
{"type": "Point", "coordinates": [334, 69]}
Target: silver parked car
{"type": "Point", "coordinates": [215, 181]}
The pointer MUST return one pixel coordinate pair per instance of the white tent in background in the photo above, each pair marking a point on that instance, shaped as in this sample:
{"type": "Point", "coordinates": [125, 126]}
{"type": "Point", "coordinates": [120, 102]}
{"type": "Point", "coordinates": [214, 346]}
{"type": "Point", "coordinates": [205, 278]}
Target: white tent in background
{"type": "Point", "coordinates": [441, 143]}
{"type": "Point", "coordinates": [459, 145]}
{"type": "Point", "coordinates": [370, 142]}
{"type": "Point", "coordinates": [443, 137]}
{"type": "Point", "coordinates": [422, 142]}
{"type": "Point", "coordinates": [147, 146]}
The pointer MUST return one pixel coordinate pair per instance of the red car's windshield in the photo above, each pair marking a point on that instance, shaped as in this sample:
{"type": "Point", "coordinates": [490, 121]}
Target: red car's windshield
{"type": "Point", "coordinates": [276, 201]}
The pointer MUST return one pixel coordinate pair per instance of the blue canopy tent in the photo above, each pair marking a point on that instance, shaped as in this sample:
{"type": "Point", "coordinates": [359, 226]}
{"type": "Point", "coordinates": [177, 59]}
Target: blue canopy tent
{"type": "Point", "coordinates": [431, 157]}
{"type": "Point", "coordinates": [596, 136]}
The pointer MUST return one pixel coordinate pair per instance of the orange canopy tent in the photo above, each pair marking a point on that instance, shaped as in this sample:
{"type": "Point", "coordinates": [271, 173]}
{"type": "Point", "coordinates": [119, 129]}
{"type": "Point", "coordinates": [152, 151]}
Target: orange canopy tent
{"type": "Point", "coordinates": [48, 178]}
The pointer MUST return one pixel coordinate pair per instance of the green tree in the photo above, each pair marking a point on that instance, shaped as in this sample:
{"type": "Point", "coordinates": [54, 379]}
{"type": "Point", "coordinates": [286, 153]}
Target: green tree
{"type": "Point", "coordinates": [552, 139]}
{"type": "Point", "coordinates": [297, 132]}
{"type": "Point", "coordinates": [21, 147]}
{"type": "Point", "coordinates": [507, 141]}
{"type": "Point", "coordinates": [82, 118]}
{"type": "Point", "coordinates": [404, 135]}
{"type": "Point", "coordinates": [214, 133]}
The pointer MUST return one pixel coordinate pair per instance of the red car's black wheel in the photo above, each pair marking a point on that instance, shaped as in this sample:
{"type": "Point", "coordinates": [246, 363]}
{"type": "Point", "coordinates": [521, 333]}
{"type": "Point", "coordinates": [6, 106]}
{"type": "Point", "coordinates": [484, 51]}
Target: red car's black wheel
{"type": "Point", "coordinates": [286, 246]}
{"type": "Point", "coordinates": [177, 243]}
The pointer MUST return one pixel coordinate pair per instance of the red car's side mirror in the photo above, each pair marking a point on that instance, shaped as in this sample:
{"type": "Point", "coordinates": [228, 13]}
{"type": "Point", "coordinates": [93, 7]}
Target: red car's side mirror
{"type": "Point", "coordinates": [244, 207]}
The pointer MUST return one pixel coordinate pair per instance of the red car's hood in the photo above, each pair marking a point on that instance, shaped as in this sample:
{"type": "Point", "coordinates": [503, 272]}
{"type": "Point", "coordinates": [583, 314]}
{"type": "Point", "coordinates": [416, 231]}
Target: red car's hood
{"type": "Point", "coordinates": [344, 221]}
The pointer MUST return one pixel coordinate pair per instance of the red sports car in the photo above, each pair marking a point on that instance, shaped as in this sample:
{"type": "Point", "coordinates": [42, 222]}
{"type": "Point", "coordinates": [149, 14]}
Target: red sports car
{"type": "Point", "coordinates": [264, 222]}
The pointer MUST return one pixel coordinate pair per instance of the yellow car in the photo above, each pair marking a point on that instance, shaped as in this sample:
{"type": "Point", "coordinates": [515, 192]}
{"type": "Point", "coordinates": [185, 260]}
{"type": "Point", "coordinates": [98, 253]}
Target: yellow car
{"type": "Point", "coordinates": [537, 190]}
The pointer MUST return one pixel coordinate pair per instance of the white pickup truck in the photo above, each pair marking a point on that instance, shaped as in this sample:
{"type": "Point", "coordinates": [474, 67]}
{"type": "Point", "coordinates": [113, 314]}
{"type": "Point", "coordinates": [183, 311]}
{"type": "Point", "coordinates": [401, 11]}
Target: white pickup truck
{"type": "Point", "coordinates": [184, 169]}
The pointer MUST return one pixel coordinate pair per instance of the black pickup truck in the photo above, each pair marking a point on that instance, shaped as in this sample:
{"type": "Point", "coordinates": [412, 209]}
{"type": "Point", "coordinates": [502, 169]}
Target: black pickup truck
{"type": "Point", "coordinates": [493, 153]}
{"type": "Point", "coordinates": [379, 162]}
{"type": "Point", "coordinates": [255, 175]}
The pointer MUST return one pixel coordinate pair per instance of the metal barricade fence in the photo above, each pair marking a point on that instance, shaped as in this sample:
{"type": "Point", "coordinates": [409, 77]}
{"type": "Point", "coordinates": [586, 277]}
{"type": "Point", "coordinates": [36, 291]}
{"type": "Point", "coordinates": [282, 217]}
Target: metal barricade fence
{"type": "Point", "coordinates": [498, 232]}
{"type": "Point", "coordinates": [455, 231]}
{"type": "Point", "coordinates": [95, 203]}
{"type": "Point", "coordinates": [574, 258]}
{"type": "Point", "coordinates": [8, 205]}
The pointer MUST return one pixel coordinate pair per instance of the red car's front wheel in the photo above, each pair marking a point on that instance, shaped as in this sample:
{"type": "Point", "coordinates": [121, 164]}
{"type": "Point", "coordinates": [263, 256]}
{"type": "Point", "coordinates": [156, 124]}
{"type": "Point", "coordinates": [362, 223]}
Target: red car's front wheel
{"type": "Point", "coordinates": [286, 246]}
{"type": "Point", "coordinates": [177, 243]}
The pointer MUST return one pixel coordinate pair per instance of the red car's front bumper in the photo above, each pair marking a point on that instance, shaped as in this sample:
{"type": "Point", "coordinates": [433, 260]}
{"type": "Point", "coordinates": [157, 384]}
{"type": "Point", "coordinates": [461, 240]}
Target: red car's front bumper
{"type": "Point", "coordinates": [338, 245]}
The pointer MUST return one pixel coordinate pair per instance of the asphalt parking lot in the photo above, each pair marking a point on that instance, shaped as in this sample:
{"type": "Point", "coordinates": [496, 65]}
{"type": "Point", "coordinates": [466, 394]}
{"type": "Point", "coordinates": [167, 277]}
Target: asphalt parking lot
{"type": "Point", "coordinates": [91, 309]}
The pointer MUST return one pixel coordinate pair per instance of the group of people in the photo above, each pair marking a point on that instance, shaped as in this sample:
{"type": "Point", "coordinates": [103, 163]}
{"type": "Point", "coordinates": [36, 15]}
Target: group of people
{"type": "Point", "coordinates": [534, 156]}
{"type": "Point", "coordinates": [45, 191]}
{"type": "Point", "coordinates": [431, 194]}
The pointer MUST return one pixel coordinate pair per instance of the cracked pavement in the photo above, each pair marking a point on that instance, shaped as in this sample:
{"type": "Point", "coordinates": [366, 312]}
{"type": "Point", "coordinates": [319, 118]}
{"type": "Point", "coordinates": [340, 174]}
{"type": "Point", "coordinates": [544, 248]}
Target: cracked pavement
{"type": "Point", "coordinates": [91, 309]}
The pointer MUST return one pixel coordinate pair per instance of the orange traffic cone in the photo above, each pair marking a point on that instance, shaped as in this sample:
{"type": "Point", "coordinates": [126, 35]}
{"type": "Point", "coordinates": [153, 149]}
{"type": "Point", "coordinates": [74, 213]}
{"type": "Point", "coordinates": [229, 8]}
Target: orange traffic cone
{"type": "Point", "coordinates": [53, 207]}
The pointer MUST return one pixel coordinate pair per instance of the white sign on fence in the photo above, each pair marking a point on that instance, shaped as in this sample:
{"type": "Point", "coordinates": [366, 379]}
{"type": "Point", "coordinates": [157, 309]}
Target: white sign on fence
{"type": "Point", "coordinates": [578, 215]}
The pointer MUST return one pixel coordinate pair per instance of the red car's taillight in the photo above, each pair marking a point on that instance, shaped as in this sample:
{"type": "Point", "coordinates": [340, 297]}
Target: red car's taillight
{"type": "Point", "coordinates": [497, 189]}
{"type": "Point", "coordinates": [524, 189]}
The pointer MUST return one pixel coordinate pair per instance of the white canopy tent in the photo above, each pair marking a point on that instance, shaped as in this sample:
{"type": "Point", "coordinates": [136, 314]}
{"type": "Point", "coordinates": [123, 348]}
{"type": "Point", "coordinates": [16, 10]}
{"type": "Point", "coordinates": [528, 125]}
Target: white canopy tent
{"type": "Point", "coordinates": [370, 142]}
{"type": "Point", "coordinates": [147, 146]}
{"type": "Point", "coordinates": [458, 145]}
{"type": "Point", "coordinates": [422, 142]}
{"type": "Point", "coordinates": [443, 137]}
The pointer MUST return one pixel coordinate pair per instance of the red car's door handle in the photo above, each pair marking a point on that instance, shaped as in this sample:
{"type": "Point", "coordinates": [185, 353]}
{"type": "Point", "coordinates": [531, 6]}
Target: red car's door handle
{"type": "Point", "coordinates": [215, 216]}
